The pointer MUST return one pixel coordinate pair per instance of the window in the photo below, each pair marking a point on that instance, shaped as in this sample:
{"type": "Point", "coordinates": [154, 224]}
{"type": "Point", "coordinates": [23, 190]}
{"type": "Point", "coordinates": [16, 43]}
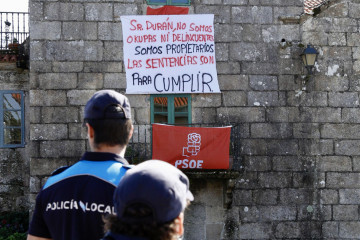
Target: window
{"type": "Point", "coordinates": [11, 119]}
{"type": "Point", "coordinates": [169, 2]}
{"type": "Point", "coordinates": [171, 109]}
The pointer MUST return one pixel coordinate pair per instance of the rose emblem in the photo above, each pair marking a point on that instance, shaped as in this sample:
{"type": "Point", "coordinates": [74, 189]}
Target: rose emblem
{"type": "Point", "coordinates": [193, 147]}
{"type": "Point", "coordinates": [194, 138]}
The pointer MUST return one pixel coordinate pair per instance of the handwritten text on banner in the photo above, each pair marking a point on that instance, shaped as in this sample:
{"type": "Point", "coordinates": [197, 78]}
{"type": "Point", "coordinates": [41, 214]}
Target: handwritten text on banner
{"type": "Point", "coordinates": [170, 54]}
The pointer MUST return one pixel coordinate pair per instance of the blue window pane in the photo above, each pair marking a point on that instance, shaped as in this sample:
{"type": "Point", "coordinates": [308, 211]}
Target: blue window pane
{"type": "Point", "coordinates": [180, 2]}
{"type": "Point", "coordinates": [171, 109]}
{"type": "Point", "coordinates": [12, 101]}
{"type": "Point", "coordinates": [160, 110]}
{"type": "Point", "coordinates": [180, 104]}
{"type": "Point", "coordinates": [157, 1]}
{"type": "Point", "coordinates": [12, 136]}
{"type": "Point", "coordinates": [168, 2]}
{"type": "Point", "coordinates": [160, 104]}
{"type": "Point", "coordinates": [11, 119]}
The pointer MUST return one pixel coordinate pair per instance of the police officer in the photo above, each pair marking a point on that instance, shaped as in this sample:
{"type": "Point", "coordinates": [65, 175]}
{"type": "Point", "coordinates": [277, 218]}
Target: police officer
{"type": "Point", "coordinates": [72, 202]}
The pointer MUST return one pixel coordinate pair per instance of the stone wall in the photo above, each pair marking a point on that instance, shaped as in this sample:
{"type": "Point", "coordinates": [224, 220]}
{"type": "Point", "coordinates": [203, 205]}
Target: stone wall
{"type": "Point", "coordinates": [14, 162]}
{"type": "Point", "coordinates": [299, 176]}
{"type": "Point", "coordinates": [335, 120]}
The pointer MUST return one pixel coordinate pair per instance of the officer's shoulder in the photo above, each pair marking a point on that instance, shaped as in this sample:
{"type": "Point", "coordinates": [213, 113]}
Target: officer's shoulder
{"type": "Point", "coordinates": [59, 170]}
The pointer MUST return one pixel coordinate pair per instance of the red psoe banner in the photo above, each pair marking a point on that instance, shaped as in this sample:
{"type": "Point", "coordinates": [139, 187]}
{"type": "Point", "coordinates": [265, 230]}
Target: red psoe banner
{"type": "Point", "coordinates": [192, 147]}
{"type": "Point", "coordinates": [167, 10]}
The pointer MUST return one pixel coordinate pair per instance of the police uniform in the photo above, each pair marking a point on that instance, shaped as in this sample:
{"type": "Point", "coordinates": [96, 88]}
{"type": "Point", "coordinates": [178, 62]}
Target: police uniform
{"type": "Point", "coordinates": [71, 203]}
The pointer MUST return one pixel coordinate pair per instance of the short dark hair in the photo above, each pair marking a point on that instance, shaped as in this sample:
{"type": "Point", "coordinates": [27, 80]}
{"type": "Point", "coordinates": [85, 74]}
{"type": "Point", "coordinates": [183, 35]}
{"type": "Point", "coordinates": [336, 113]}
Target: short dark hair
{"type": "Point", "coordinates": [111, 131]}
{"type": "Point", "coordinates": [150, 230]}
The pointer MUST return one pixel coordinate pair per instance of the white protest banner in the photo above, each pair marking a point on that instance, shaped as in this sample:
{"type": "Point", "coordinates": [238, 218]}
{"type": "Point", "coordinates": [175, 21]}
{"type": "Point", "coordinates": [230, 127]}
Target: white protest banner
{"type": "Point", "coordinates": [166, 54]}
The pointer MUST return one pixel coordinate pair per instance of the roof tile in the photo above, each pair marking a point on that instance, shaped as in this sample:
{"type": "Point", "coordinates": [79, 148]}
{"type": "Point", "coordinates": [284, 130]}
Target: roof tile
{"type": "Point", "coordinates": [310, 5]}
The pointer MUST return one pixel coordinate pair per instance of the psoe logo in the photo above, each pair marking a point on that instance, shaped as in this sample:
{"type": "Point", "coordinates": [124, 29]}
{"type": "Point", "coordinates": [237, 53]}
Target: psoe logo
{"type": "Point", "coordinates": [193, 145]}
{"type": "Point", "coordinates": [192, 149]}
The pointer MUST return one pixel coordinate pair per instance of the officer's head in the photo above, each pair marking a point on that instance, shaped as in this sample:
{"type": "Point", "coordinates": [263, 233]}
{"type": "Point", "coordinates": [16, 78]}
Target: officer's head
{"type": "Point", "coordinates": [150, 201]}
{"type": "Point", "coordinates": [108, 113]}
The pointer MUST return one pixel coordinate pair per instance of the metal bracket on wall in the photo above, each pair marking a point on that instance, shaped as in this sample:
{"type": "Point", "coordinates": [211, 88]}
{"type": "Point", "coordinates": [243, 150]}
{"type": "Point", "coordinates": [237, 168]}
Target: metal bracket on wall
{"type": "Point", "coordinates": [228, 193]}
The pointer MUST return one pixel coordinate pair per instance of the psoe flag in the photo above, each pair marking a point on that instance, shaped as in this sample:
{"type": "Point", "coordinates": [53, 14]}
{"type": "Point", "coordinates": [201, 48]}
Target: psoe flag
{"type": "Point", "coordinates": [192, 147]}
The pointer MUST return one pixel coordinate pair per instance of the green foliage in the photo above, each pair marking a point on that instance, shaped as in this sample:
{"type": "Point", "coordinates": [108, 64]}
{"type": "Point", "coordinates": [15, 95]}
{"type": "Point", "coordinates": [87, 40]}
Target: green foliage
{"type": "Point", "coordinates": [301, 45]}
{"type": "Point", "coordinates": [13, 225]}
{"type": "Point", "coordinates": [15, 236]}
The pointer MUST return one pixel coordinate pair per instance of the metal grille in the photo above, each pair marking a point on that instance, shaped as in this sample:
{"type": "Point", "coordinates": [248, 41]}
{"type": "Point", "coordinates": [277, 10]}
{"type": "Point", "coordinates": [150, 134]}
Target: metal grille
{"type": "Point", "coordinates": [14, 27]}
